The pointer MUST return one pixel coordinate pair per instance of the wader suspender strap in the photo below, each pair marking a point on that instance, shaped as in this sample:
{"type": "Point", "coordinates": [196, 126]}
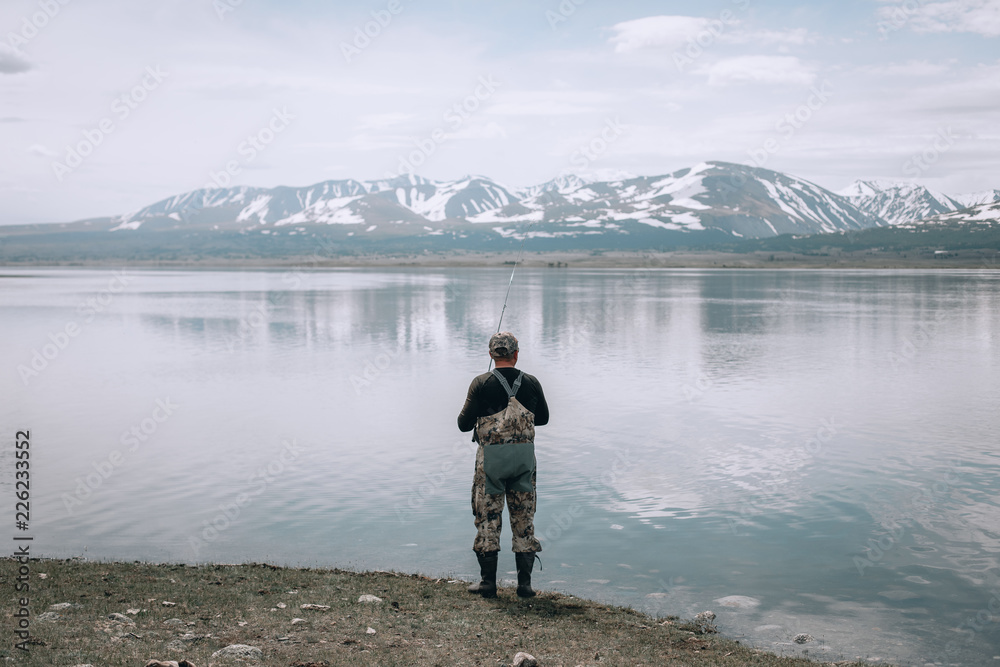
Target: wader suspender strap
{"type": "Point", "coordinates": [517, 383]}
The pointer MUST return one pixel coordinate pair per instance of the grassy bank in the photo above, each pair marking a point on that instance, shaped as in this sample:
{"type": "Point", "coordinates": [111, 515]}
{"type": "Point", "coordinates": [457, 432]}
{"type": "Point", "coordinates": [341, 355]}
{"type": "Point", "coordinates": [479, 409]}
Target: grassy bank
{"type": "Point", "coordinates": [178, 612]}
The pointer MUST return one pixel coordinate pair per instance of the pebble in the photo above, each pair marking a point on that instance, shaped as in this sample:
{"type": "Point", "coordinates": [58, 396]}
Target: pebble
{"type": "Point", "coordinates": [176, 645]}
{"type": "Point", "coordinates": [239, 651]}
{"type": "Point", "coordinates": [48, 616]}
{"type": "Point", "coordinates": [173, 621]}
{"type": "Point", "coordinates": [281, 605]}
{"type": "Point", "coordinates": [60, 605]}
{"type": "Point", "coordinates": [522, 659]}
{"type": "Point", "coordinates": [168, 603]}
{"type": "Point", "coordinates": [296, 621]}
{"type": "Point", "coordinates": [316, 607]}
{"type": "Point", "coordinates": [803, 638]}
{"type": "Point", "coordinates": [121, 618]}
{"type": "Point", "coordinates": [369, 598]}
{"type": "Point", "coordinates": [370, 631]}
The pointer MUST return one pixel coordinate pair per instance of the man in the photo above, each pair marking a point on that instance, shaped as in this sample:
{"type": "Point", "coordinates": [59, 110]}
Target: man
{"type": "Point", "coordinates": [503, 407]}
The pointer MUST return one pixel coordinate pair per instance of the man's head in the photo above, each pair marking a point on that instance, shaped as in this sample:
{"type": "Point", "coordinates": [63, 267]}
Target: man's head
{"type": "Point", "coordinates": [503, 348]}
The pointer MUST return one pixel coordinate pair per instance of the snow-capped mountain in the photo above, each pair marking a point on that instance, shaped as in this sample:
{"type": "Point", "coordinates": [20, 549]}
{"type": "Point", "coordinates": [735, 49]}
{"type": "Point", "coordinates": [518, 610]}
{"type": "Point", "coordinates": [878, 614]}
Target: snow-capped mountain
{"type": "Point", "coordinates": [736, 199]}
{"type": "Point", "coordinates": [976, 198]}
{"type": "Point", "coordinates": [404, 198]}
{"type": "Point", "coordinates": [899, 203]}
{"type": "Point", "coordinates": [728, 199]}
{"type": "Point", "coordinates": [713, 205]}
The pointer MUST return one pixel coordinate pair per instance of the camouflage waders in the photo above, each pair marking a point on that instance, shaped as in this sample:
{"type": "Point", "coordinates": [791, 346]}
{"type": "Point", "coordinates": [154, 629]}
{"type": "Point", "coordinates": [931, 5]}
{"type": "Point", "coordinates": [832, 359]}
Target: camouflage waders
{"type": "Point", "coordinates": [515, 465]}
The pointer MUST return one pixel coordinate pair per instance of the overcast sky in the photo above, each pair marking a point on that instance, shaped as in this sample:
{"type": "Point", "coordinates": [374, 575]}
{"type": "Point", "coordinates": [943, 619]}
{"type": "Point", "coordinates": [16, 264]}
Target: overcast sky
{"type": "Point", "coordinates": [110, 105]}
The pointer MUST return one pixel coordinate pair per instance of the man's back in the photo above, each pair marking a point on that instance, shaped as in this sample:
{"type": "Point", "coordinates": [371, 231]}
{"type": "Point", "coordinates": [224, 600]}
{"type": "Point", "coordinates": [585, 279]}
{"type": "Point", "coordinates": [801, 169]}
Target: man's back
{"type": "Point", "coordinates": [487, 397]}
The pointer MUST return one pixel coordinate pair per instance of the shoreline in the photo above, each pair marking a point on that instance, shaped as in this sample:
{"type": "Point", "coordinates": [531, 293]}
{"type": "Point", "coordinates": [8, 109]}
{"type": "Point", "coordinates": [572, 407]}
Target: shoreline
{"type": "Point", "coordinates": [116, 613]}
{"type": "Point", "coordinates": [680, 259]}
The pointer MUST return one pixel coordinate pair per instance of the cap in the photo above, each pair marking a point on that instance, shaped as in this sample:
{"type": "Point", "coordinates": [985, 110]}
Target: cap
{"type": "Point", "coordinates": [503, 344]}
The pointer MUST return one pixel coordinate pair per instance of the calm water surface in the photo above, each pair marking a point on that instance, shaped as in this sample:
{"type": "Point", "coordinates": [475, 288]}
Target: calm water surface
{"type": "Point", "coordinates": [821, 443]}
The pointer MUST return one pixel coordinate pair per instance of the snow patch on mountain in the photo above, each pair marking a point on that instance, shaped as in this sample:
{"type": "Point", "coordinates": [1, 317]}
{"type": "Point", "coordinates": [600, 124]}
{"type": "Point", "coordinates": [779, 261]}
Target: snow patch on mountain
{"type": "Point", "coordinates": [257, 208]}
{"type": "Point", "coordinates": [336, 211]}
{"type": "Point", "coordinates": [495, 216]}
{"type": "Point", "coordinates": [983, 214]}
{"type": "Point", "coordinates": [127, 225]}
{"type": "Point", "coordinates": [687, 202]}
{"type": "Point", "coordinates": [684, 187]}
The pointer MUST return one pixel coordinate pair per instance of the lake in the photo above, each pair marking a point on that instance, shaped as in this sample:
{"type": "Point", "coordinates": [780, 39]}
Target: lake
{"type": "Point", "coordinates": [800, 451]}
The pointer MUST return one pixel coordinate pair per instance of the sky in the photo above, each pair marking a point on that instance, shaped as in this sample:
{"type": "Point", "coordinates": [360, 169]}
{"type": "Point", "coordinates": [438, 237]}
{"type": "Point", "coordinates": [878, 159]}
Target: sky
{"type": "Point", "coordinates": [107, 106]}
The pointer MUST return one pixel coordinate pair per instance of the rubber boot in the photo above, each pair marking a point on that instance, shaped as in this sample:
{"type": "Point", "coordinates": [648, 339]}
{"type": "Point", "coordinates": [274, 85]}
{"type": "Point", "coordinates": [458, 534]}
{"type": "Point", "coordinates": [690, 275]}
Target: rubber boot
{"type": "Point", "coordinates": [487, 586]}
{"type": "Point", "coordinates": [525, 561]}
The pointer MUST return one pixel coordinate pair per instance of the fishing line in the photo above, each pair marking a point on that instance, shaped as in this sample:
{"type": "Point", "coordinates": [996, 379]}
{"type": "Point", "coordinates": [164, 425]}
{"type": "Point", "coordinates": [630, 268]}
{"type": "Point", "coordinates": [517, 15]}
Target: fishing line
{"type": "Point", "coordinates": [517, 260]}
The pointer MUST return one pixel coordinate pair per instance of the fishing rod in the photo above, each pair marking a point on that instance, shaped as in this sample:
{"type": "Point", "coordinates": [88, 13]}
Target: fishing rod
{"type": "Point", "coordinates": [517, 260]}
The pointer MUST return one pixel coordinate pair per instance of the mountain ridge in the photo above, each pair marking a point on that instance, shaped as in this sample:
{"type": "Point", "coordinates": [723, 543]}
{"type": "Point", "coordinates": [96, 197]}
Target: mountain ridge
{"type": "Point", "coordinates": [711, 205]}
{"type": "Point", "coordinates": [739, 200]}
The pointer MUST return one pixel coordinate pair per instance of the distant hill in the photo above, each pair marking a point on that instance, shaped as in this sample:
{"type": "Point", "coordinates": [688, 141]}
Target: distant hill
{"type": "Point", "coordinates": [974, 230]}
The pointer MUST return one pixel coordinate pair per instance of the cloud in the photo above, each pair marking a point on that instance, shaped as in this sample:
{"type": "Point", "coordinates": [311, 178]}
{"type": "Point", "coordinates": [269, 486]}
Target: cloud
{"type": "Point", "coordinates": [673, 32]}
{"type": "Point", "coordinates": [759, 69]}
{"type": "Point", "coordinates": [976, 16]}
{"type": "Point", "coordinates": [41, 151]}
{"type": "Point", "coordinates": [919, 68]}
{"type": "Point", "coordinates": [488, 131]}
{"type": "Point", "coordinates": [667, 32]}
{"type": "Point", "coordinates": [381, 121]}
{"type": "Point", "coordinates": [13, 61]}
{"type": "Point", "coordinates": [792, 37]}
{"type": "Point", "coordinates": [549, 103]}
{"type": "Point", "coordinates": [10, 186]}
